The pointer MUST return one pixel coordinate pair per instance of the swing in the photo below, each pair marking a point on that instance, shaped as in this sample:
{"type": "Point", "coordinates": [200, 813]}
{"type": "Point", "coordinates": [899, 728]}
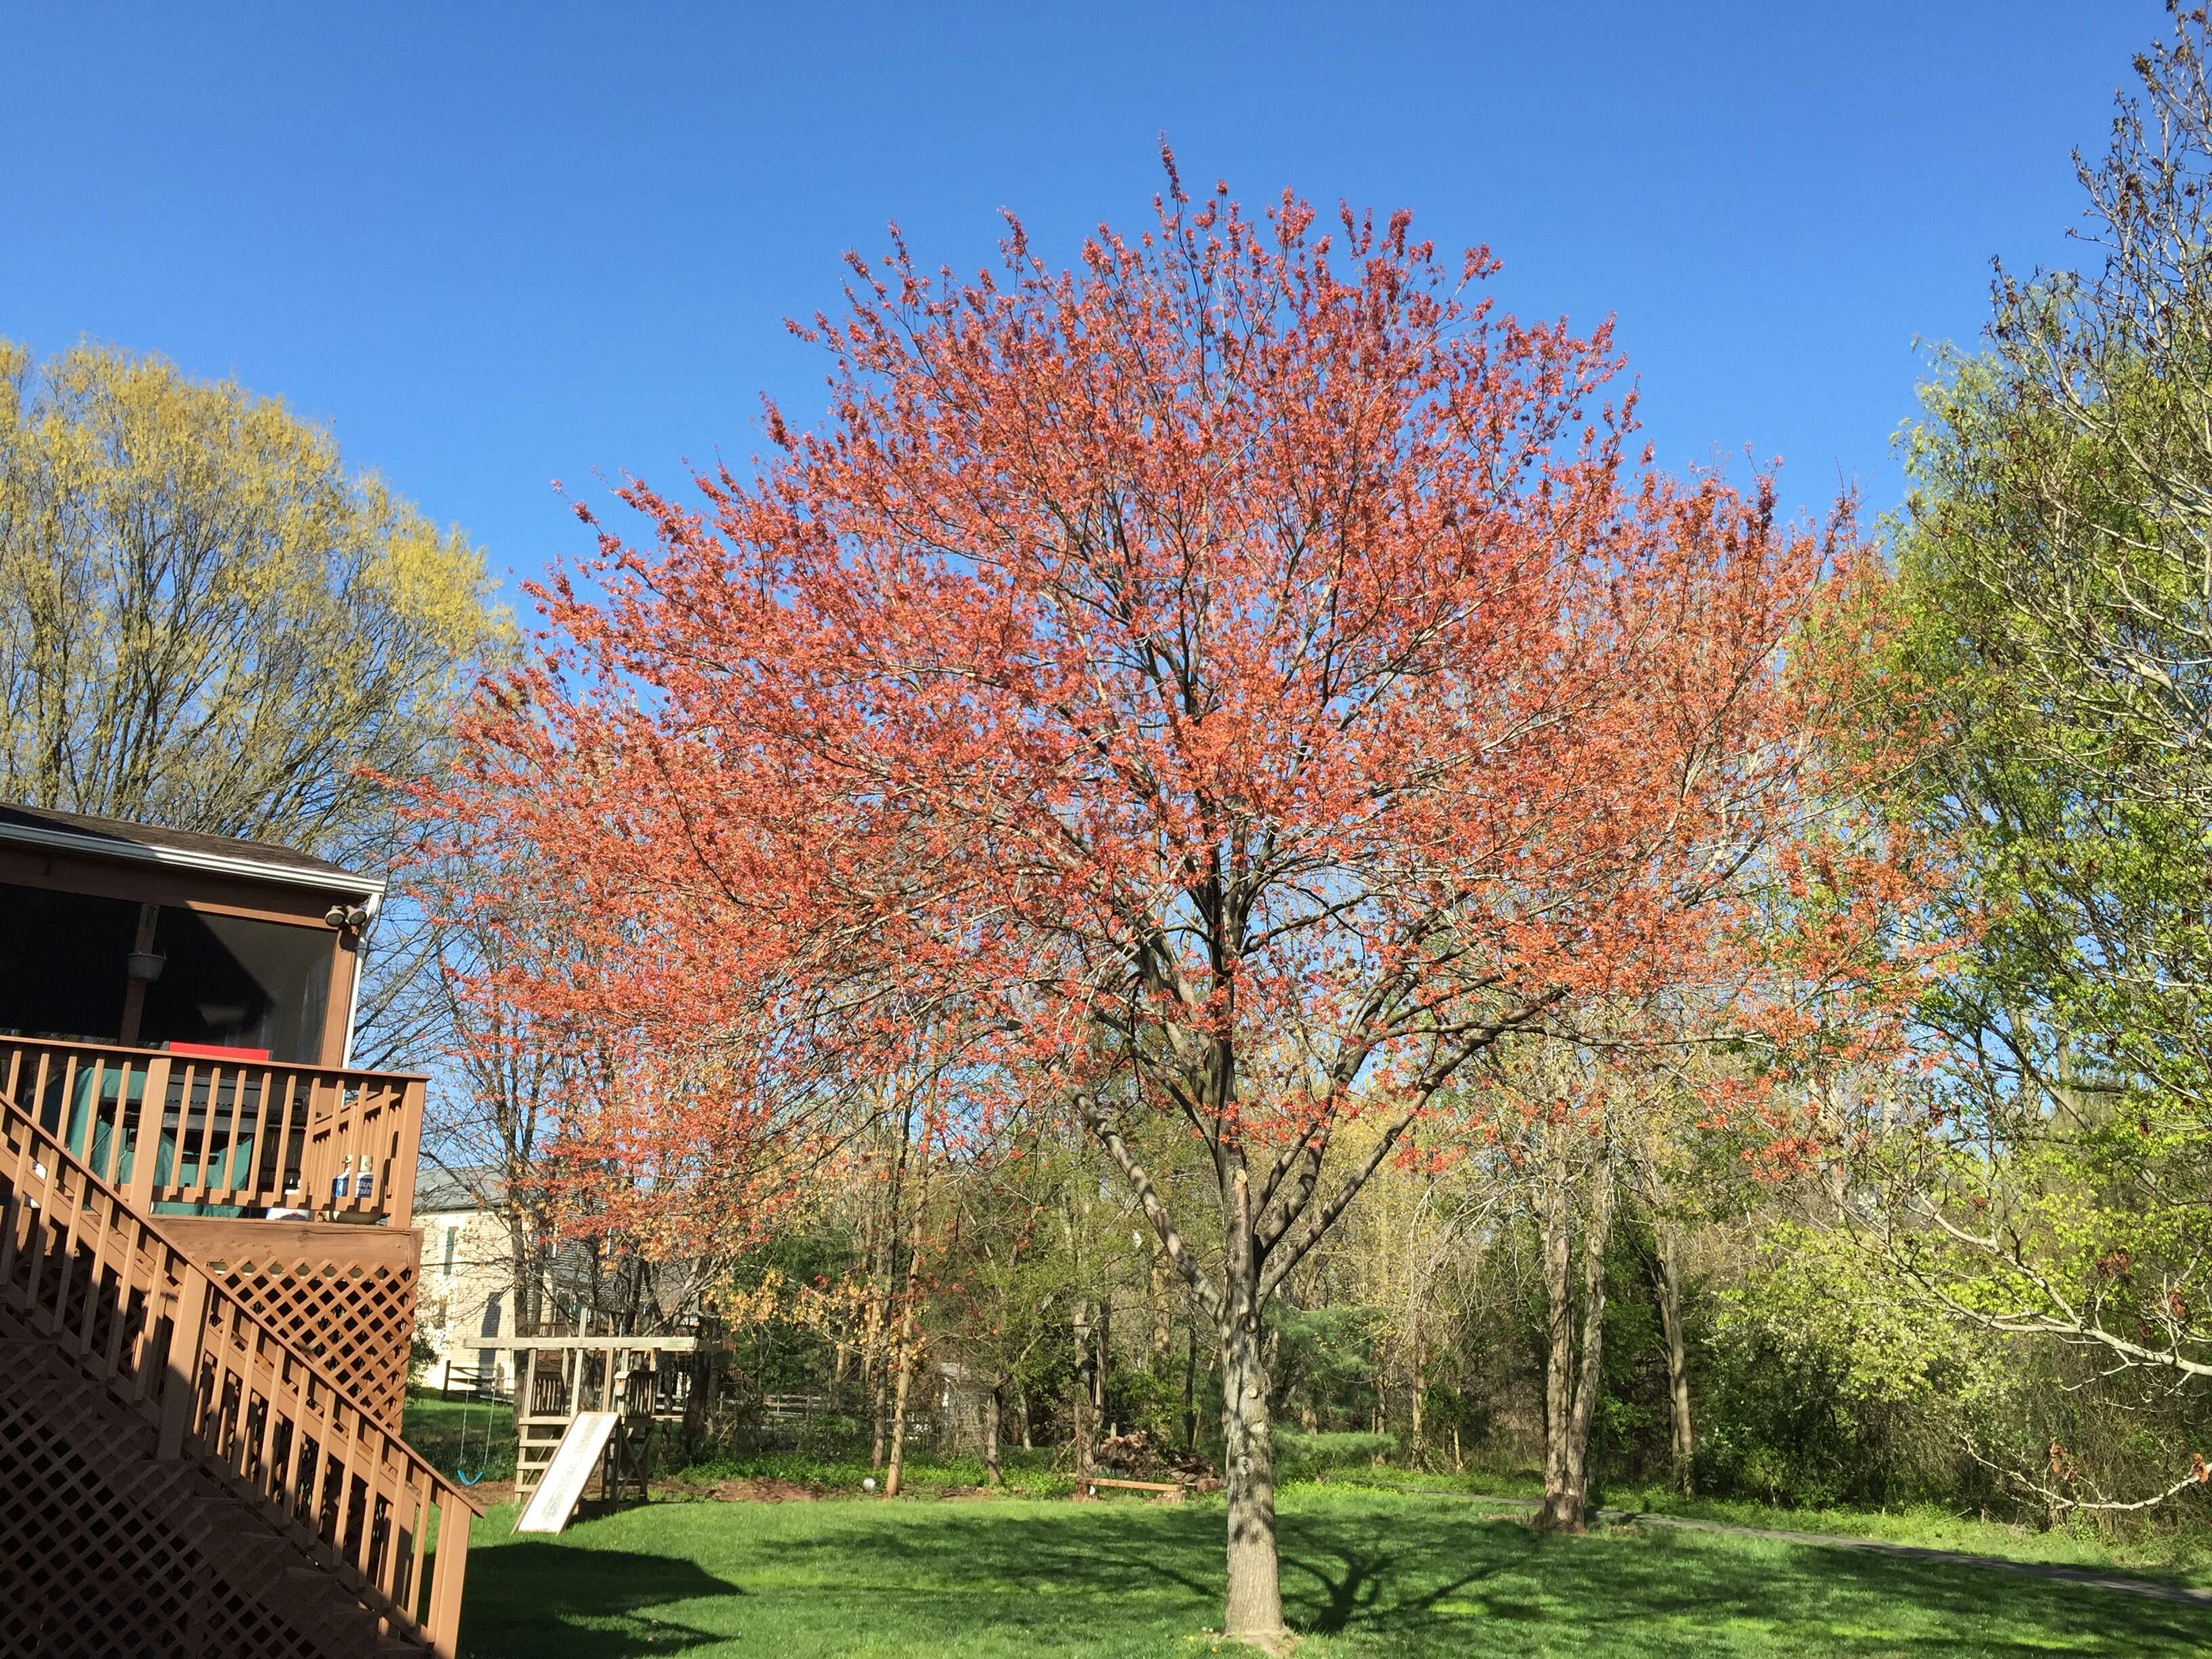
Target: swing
{"type": "Point", "coordinates": [483, 1447]}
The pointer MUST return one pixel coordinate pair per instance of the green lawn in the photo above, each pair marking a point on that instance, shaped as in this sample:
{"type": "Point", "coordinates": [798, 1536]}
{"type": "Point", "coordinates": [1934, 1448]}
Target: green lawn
{"type": "Point", "coordinates": [1365, 1572]}
{"type": "Point", "coordinates": [2182, 1554]}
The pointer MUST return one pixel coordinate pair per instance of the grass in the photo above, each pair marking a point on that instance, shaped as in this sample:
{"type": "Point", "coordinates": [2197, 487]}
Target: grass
{"type": "Point", "coordinates": [1366, 1572]}
{"type": "Point", "coordinates": [2180, 1557]}
{"type": "Point", "coordinates": [461, 1434]}
{"type": "Point", "coordinates": [1026, 1474]}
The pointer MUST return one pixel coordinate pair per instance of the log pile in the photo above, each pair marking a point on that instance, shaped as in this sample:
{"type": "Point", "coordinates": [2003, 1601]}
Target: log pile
{"type": "Point", "coordinates": [1134, 1456]}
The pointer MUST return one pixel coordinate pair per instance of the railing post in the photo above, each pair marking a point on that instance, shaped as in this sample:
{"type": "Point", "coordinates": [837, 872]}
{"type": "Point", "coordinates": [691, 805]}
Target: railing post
{"type": "Point", "coordinates": [180, 1380]}
{"type": "Point", "coordinates": [319, 1132]}
{"type": "Point", "coordinates": [145, 1140]}
{"type": "Point", "coordinates": [399, 1194]}
{"type": "Point", "coordinates": [447, 1574]}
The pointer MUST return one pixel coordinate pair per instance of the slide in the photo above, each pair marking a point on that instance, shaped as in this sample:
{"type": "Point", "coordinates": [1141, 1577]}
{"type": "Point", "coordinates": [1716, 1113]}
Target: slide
{"type": "Point", "coordinates": [562, 1482]}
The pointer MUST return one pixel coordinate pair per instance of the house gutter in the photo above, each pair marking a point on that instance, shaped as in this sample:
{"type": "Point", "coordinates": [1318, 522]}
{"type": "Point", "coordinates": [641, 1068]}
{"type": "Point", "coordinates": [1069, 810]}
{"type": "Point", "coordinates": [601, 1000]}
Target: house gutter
{"type": "Point", "coordinates": [218, 863]}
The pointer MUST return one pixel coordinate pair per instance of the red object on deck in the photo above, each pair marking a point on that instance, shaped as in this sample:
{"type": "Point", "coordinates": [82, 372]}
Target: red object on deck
{"type": "Point", "coordinates": [216, 1051]}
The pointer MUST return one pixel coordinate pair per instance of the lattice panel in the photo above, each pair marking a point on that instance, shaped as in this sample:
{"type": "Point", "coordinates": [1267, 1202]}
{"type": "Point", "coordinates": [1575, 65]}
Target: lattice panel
{"type": "Point", "coordinates": [356, 1318]}
{"type": "Point", "coordinates": [86, 1572]}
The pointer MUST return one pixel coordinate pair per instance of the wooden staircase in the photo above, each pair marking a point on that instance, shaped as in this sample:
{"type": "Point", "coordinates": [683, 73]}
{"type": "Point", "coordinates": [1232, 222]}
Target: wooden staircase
{"type": "Point", "coordinates": [177, 1478]}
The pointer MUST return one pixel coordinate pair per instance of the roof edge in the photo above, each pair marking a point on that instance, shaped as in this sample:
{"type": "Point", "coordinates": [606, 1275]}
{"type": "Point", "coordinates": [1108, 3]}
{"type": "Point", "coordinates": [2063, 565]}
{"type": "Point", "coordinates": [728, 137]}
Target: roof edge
{"type": "Point", "coordinates": [178, 857]}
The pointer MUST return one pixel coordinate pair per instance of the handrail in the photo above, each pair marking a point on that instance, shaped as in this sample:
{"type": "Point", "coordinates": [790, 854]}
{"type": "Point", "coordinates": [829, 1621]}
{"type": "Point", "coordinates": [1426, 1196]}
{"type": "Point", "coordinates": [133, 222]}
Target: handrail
{"type": "Point", "coordinates": [166, 1338]}
{"type": "Point", "coordinates": [256, 1134]}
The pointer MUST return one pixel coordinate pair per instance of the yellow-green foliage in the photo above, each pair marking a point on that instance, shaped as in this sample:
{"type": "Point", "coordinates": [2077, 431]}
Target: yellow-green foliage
{"type": "Point", "coordinates": [204, 619]}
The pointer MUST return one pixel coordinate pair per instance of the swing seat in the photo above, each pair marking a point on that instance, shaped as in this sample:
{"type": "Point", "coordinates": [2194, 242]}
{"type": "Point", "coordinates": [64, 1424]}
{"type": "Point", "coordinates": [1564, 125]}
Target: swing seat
{"type": "Point", "coordinates": [484, 1451]}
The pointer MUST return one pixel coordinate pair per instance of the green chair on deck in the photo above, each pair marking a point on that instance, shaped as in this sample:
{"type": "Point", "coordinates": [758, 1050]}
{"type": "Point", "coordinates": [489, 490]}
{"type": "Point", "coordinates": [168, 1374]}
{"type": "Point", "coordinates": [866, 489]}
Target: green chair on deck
{"type": "Point", "coordinates": [92, 1124]}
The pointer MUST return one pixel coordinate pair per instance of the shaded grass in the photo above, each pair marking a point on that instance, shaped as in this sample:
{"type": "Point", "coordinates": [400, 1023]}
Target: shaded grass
{"type": "Point", "coordinates": [1365, 1572]}
{"type": "Point", "coordinates": [2173, 1555]}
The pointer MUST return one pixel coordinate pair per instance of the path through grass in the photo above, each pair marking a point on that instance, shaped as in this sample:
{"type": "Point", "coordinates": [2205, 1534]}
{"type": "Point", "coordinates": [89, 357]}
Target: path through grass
{"type": "Point", "coordinates": [1367, 1572]}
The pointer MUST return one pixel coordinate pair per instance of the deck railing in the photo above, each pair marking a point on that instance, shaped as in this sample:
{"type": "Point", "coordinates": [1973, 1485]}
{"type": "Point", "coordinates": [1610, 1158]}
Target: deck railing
{"type": "Point", "coordinates": [91, 1272]}
{"type": "Point", "coordinates": [220, 1136]}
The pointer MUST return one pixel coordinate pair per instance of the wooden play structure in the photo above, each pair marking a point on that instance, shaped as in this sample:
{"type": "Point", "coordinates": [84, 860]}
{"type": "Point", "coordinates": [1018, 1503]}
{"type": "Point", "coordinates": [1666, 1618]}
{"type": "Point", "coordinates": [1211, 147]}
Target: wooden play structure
{"type": "Point", "coordinates": [207, 1268]}
{"type": "Point", "coordinates": [586, 1405]}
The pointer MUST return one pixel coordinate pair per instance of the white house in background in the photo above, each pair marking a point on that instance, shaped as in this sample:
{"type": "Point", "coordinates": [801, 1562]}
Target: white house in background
{"type": "Point", "coordinates": [466, 1292]}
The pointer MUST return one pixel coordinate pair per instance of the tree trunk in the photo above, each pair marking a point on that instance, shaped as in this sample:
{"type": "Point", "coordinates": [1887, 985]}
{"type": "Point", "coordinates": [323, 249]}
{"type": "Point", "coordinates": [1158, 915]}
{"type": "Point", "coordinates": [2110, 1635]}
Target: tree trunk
{"type": "Point", "coordinates": [1022, 1405]}
{"type": "Point", "coordinates": [884, 1270]}
{"type": "Point", "coordinates": [1570, 1391]}
{"type": "Point", "coordinates": [992, 1477]}
{"type": "Point", "coordinates": [897, 1465]}
{"type": "Point", "coordinates": [1665, 1272]}
{"type": "Point", "coordinates": [1085, 1403]}
{"type": "Point", "coordinates": [908, 1337]}
{"type": "Point", "coordinates": [1599, 1231]}
{"type": "Point", "coordinates": [1414, 1440]}
{"type": "Point", "coordinates": [1190, 1393]}
{"type": "Point", "coordinates": [1103, 1347]}
{"type": "Point", "coordinates": [1255, 1611]}
{"type": "Point", "coordinates": [1163, 1311]}
{"type": "Point", "coordinates": [879, 1411]}
{"type": "Point", "coordinates": [1555, 1221]}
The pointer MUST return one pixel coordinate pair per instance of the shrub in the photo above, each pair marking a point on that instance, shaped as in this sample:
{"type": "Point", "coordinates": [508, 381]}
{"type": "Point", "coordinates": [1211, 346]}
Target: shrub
{"type": "Point", "coordinates": [1308, 1456]}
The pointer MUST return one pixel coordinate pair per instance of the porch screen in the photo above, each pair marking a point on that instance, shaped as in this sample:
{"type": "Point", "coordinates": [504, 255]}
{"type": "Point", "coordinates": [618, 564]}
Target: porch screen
{"type": "Point", "coordinates": [241, 983]}
{"type": "Point", "coordinates": [61, 962]}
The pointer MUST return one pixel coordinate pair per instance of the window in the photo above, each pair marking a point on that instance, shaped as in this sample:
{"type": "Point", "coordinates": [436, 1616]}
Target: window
{"type": "Point", "coordinates": [452, 1238]}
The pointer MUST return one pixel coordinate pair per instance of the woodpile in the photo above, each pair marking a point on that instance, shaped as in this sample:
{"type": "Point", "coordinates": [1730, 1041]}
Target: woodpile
{"type": "Point", "coordinates": [1134, 1456]}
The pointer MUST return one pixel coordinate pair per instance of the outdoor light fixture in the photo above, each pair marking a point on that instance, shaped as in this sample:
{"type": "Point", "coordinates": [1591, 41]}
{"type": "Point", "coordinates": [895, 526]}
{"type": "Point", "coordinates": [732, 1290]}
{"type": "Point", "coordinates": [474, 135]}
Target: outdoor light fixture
{"type": "Point", "coordinates": [339, 916]}
{"type": "Point", "coordinates": [145, 966]}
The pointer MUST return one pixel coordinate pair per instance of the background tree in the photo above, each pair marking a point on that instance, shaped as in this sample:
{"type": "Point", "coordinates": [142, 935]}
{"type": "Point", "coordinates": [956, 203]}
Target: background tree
{"type": "Point", "coordinates": [500, 1082]}
{"type": "Point", "coordinates": [205, 620]}
{"type": "Point", "coordinates": [2056, 552]}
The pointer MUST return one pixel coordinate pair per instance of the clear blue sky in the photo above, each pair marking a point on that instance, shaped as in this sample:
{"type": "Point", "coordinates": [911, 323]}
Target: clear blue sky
{"type": "Point", "coordinates": [494, 245]}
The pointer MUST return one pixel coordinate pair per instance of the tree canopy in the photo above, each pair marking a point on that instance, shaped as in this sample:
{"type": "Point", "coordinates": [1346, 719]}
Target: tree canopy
{"type": "Point", "coordinates": [206, 620]}
{"type": "Point", "coordinates": [1240, 678]}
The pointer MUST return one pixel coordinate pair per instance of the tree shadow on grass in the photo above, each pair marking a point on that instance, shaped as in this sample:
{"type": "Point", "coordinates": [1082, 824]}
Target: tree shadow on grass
{"type": "Point", "coordinates": [542, 1600]}
{"type": "Point", "coordinates": [1356, 1593]}
{"type": "Point", "coordinates": [1440, 1582]}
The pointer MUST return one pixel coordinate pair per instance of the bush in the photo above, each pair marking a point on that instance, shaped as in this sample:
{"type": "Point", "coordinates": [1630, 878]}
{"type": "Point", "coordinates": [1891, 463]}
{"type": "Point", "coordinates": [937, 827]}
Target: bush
{"type": "Point", "coordinates": [1308, 1457]}
{"type": "Point", "coordinates": [1028, 1472]}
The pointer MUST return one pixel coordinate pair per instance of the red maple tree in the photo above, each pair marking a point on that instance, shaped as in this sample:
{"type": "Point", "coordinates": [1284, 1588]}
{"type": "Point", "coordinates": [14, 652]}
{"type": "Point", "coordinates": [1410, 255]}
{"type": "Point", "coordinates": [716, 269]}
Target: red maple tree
{"type": "Point", "coordinates": [1235, 679]}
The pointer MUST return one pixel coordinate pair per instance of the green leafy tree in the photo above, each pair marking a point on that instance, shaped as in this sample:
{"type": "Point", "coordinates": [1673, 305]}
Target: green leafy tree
{"type": "Point", "coordinates": [2056, 557]}
{"type": "Point", "coordinates": [206, 620]}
